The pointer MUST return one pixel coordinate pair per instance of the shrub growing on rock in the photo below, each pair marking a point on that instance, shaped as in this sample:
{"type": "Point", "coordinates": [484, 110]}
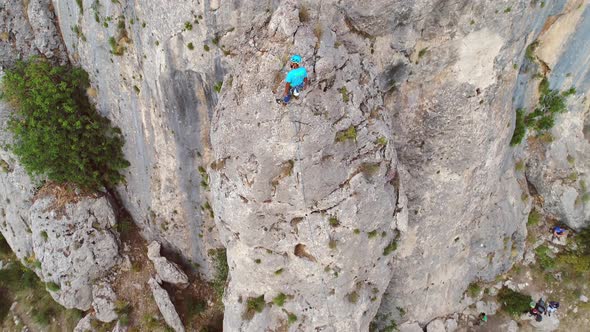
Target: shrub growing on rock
{"type": "Point", "coordinates": [57, 132]}
{"type": "Point", "coordinates": [514, 303]}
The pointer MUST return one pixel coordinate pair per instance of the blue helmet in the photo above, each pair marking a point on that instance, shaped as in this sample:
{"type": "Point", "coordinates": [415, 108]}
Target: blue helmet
{"type": "Point", "coordinates": [296, 58]}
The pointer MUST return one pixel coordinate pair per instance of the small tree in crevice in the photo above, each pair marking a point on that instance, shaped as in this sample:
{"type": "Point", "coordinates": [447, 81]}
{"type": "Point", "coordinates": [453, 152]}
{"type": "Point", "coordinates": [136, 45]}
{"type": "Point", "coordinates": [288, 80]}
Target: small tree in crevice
{"type": "Point", "coordinates": [57, 132]}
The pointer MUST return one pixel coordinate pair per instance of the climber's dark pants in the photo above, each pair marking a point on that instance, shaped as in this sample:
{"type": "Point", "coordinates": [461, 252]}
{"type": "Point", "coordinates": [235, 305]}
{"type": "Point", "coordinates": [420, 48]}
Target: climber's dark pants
{"type": "Point", "coordinates": [288, 97]}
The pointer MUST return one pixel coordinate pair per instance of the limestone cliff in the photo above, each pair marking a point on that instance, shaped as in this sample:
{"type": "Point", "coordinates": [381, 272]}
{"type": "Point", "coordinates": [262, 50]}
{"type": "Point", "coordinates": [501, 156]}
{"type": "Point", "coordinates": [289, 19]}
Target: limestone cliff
{"type": "Point", "coordinates": [377, 196]}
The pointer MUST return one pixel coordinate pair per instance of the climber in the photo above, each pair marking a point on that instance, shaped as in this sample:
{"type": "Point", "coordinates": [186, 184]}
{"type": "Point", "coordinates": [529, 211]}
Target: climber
{"type": "Point", "coordinates": [558, 232]}
{"type": "Point", "coordinates": [296, 80]}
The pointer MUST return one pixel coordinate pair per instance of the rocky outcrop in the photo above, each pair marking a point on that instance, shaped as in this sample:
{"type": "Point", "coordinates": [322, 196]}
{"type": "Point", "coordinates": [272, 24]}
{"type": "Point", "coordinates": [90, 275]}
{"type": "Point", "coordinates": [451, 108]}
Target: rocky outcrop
{"type": "Point", "coordinates": [75, 244]}
{"type": "Point", "coordinates": [27, 31]}
{"type": "Point", "coordinates": [307, 197]}
{"type": "Point", "coordinates": [84, 325]}
{"type": "Point", "coordinates": [559, 168]}
{"type": "Point", "coordinates": [165, 305]}
{"type": "Point", "coordinates": [16, 194]}
{"type": "Point", "coordinates": [167, 271]}
{"type": "Point", "coordinates": [103, 302]}
{"type": "Point", "coordinates": [436, 325]}
{"type": "Point", "coordinates": [453, 120]}
{"type": "Point", "coordinates": [393, 170]}
{"type": "Point", "coordinates": [160, 93]}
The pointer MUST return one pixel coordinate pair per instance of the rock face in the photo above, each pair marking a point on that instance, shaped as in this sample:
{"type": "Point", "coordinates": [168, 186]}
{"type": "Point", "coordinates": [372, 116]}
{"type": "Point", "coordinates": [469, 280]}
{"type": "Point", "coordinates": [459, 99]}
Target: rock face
{"type": "Point", "coordinates": [307, 197]}
{"type": "Point", "coordinates": [436, 325]}
{"type": "Point", "coordinates": [559, 169]}
{"type": "Point", "coordinates": [387, 187]}
{"type": "Point", "coordinates": [103, 302]}
{"type": "Point", "coordinates": [84, 325]}
{"type": "Point", "coordinates": [165, 305]}
{"type": "Point", "coordinates": [15, 196]}
{"type": "Point", "coordinates": [28, 31]}
{"type": "Point", "coordinates": [160, 93]}
{"type": "Point", "coordinates": [167, 271]}
{"type": "Point", "coordinates": [453, 121]}
{"type": "Point", "coordinates": [74, 246]}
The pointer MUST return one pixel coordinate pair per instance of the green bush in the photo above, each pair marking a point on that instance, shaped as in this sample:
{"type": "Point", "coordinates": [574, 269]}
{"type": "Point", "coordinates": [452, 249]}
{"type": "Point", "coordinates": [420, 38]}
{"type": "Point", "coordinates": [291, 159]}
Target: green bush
{"type": "Point", "coordinates": [519, 128]}
{"type": "Point", "coordinates": [291, 318]}
{"type": "Point", "coordinates": [52, 286]}
{"type": "Point", "coordinates": [256, 304]}
{"type": "Point", "coordinates": [577, 261]}
{"type": "Point", "coordinates": [347, 134]}
{"type": "Point", "coordinates": [43, 315]}
{"type": "Point", "coordinates": [534, 218]}
{"type": "Point", "coordinates": [57, 132]}
{"type": "Point", "coordinates": [194, 307]}
{"type": "Point", "coordinates": [551, 102]}
{"type": "Point", "coordinates": [530, 51]}
{"type": "Point", "coordinates": [543, 258]}
{"type": "Point", "coordinates": [279, 300]}
{"type": "Point", "coordinates": [221, 270]}
{"type": "Point", "coordinates": [390, 248]}
{"type": "Point", "coordinates": [514, 303]}
{"type": "Point", "coordinates": [123, 310]}
{"type": "Point", "coordinates": [333, 221]}
{"type": "Point", "coordinates": [473, 290]}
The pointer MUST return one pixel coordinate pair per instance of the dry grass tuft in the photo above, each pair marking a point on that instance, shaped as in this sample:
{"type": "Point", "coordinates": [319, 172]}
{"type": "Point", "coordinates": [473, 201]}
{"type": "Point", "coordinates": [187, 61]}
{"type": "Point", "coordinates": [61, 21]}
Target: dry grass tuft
{"type": "Point", "coordinates": [62, 194]}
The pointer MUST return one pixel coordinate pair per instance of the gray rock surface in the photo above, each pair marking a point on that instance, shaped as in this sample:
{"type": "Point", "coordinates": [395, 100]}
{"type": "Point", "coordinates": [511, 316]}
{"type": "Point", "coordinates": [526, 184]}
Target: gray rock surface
{"type": "Point", "coordinates": [559, 170]}
{"type": "Point", "coordinates": [410, 327]}
{"type": "Point", "coordinates": [103, 302]}
{"type": "Point", "coordinates": [436, 325]}
{"type": "Point", "coordinates": [167, 271]}
{"type": "Point", "coordinates": [317, 209]}
{"type": "Point", "coordinates": [451, 325]}
{"type": "Point", "coordinates": [28, 31]}
{"type": "Point", "coordinates": [548, 324]}
{"type": "Point", "coordinates": [16, 193]}
{"type": "Point", "coordinates": [434, 80]}
{"type": "Point", "coordinates": [160, 93]}
{"type": "Point", "coordinates": [165, 305]}
{"type": "Point", "coordinates": [453, 121]}
{"type": "Point", "coordinates": [511, 326]}
{"type": "Point", "coordinates": [84, 325]}
{"type": "Point", "coordinates": [119, 327]}
{"type": "Point", "coordinates": [75, 246]}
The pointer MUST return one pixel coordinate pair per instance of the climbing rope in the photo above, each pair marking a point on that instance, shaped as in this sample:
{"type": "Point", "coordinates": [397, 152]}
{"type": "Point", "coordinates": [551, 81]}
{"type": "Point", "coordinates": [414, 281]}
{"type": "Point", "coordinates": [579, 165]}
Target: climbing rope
{"type": "Point", "coordinates": [297, 125]}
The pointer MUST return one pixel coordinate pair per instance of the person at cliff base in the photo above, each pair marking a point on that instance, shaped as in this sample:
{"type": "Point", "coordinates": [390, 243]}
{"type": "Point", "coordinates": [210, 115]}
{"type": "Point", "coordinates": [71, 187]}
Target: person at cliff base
{"type": "Point", "coordinates": [553, 305]}
{"type": "Point", "coordinates": [295, 81]}
{"type": "Point", "coordinates": [483, 317]}
{"type": "Point", "coordinates": [558, 232]}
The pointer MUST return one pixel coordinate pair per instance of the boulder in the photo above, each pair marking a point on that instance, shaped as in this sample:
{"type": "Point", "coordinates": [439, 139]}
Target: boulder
{"type": "Point", "coordinates": [119, 328]}
{"type": "Point", "coordinates": [410, 327]}
{"type": "Point", "coordinates": [436, 325]}
{"type": "Point", "coordinates": [167, 271]}
{"type": "Point", "coordinates": [451, 325]}
{"type": "Point", "coordinates": [165, 305]}
{"type": "Point", "coordinates": [75, 245]}
{"type": "Point", "coordinates": [103, 302]}
{"type": "Point", "coordinates": [583, 298]}
{"type": "Point", "coordinates": [548, 324]}
{"type": "Point", "coordinates": [84, 324]}
{"type": "Point", "coordinates": [489, 307]}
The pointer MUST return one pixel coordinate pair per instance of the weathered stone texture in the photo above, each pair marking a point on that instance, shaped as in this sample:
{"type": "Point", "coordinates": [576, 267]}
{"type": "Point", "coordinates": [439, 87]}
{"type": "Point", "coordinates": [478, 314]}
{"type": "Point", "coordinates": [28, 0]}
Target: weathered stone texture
{"type": "Point", "coordinates": [74, 247]}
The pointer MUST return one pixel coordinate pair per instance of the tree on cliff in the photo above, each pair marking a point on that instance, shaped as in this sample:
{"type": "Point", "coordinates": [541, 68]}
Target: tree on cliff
{"type": "Point", "coordinates": [57, 133]}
